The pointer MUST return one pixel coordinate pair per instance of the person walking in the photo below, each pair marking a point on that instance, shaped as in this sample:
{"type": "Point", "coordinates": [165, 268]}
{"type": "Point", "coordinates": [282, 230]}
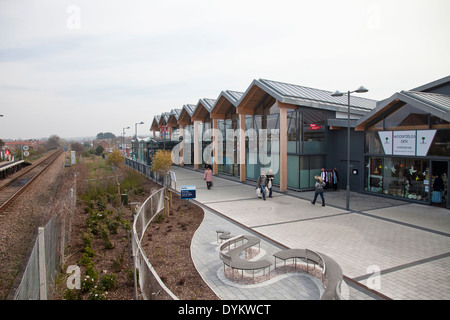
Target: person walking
{"type": "Point", "coordinates": [319, 190]}
{"type": "Point", "coordinates": [208, 176]}
{"type": "Point", "coordinates": [270, 178]}
{"type": "Point", "coordinates": [262, 184]}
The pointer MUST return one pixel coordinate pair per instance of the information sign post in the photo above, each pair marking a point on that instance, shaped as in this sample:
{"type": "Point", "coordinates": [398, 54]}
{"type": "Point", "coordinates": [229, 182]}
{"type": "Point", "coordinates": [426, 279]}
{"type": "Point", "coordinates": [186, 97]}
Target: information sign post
{"type": "Point", "coordinates": [188, 192]}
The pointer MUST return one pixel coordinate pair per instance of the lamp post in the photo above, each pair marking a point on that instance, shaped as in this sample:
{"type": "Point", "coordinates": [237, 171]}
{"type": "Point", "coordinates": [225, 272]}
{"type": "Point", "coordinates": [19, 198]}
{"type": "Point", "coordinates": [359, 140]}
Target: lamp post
{"type": "Point", "coordinates": [123, 138]}
{"type": "Point", "coordinates": [136, 140]}
{"type": "Point", "coordinates": [135, 128]}
{"type": "Point", "coordinates": [340, 94]}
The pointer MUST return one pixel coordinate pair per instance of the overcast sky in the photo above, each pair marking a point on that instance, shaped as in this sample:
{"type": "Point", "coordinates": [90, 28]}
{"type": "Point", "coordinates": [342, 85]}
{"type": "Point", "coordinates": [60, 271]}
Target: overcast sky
{"type": "Point", "coordinates": [77, 68]}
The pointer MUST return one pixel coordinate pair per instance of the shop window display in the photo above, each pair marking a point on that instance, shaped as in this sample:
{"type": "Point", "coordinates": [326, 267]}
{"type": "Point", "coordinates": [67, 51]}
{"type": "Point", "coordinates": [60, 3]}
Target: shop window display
{"type": "Point", "coordinates": [374, 176]}
{"type": "Point", "coordinates": [399, 177]}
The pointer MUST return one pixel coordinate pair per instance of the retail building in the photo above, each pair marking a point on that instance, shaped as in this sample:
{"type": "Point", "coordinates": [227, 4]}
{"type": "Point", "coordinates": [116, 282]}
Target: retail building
{"type": "Point", "coordinates": [397, 146]}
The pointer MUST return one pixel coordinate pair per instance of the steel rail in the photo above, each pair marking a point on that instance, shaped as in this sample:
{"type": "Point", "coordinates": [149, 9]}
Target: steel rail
{"type": "Point", "coordinates": [52, 159]}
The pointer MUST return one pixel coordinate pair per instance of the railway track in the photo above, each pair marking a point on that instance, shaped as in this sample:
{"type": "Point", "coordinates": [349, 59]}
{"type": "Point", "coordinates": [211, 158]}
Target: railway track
{"type": "Point", "coordinates": [16, 186]}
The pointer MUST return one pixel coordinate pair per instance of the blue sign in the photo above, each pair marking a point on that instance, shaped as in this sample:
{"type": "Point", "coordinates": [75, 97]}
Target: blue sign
{"type": "Point", "coordinates": [188, 192]}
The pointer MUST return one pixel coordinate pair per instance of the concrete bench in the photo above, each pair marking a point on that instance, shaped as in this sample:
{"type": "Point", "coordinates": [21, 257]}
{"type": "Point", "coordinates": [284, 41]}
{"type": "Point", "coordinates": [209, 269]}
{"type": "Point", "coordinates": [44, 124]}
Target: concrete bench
{"type": "Point", "coordinates": [223, 235]}
{"type": "Point", "coordinates": [232, 257]}
{"type": "Point", "coordinates": [331, 271]}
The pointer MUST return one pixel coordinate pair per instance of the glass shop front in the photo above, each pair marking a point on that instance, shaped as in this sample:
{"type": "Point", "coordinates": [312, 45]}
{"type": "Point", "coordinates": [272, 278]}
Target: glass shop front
{"type": "Point", "coordinates": [407, 155]}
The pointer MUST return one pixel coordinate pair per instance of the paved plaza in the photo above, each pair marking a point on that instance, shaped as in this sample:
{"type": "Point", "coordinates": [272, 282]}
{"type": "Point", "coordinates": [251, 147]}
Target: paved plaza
{"type": "Point", "coordinates": [406, 244]}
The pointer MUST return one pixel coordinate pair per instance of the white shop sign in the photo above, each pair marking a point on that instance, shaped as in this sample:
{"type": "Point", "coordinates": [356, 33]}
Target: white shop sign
{"type": "Point", "coordinates": [404, 143]}
{"type": "Point", "coordinates": [424, 140]}
{"type": "Point", "coordinates": [407, 142]}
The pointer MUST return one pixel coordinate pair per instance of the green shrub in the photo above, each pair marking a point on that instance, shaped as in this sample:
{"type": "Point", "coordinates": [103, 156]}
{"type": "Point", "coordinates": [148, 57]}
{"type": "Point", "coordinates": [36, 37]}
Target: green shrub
{"type": "Point", "coordinates": [72, 294]}
{"type": "Point", "coordinates": [86, 260]}
{"type": "Point", "coordinates": [91, 272]}
{"type": "Point", "coordinates": [97, 294]}
{"type": "Point", "coordinates": [87, 238]}
{"type": "Point", "coordinates": [87, 284]}
{"type": "Point", "coordinates": [108, 282]}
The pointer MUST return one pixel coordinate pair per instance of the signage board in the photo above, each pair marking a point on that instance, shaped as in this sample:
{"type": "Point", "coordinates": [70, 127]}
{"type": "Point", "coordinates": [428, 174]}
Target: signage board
{"type": "Point", "coordinates": [406, 142]}
{"type": "Point", "coordinates": [188, 192]}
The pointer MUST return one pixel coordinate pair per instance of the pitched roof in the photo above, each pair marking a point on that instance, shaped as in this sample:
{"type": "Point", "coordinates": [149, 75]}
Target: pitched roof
{"type": "Point", "coordinates": [305, 96]}
{"type": "Point", "coordinates": [434, 103]}
{"type": "Point", "coordinates": [203, 108]}
{"type": "Point", "coordinates": [433, 85]}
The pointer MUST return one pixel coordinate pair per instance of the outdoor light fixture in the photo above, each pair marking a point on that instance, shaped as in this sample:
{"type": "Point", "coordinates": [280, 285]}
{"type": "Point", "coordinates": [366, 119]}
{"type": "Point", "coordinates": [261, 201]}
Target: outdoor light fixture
{"type": "Point", "coordinates": [135, 136]}
{"type": "Point", "coordinates": [135, 128]}
{"type": "Point", "coordinates": [123, 137]}
{"type": "Point", "coordinates": [340, 94]}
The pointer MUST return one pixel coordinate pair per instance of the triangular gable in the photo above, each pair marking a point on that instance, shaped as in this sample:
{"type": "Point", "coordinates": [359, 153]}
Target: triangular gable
{"type": "Point", "coordinates": [266, 92]}
{"type": "Point", "coordinates": [155, 123]}
{"type": "Point", "coordinates": [186, 112]}
{"type": "Point", "coordinates": [436, 104]}
{"type": "Point", "coordinates": [441, 86]}
{"type": "Point", "coordinates": [225, 104]}
{"type": "Point", "coordinates": [203, 109]}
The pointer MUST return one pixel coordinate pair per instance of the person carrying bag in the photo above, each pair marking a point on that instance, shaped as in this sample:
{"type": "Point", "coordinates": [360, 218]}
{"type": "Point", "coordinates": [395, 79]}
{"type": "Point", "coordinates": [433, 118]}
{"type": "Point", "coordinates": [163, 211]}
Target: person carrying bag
{"type": "Point", "coordinates": [262, 184]}
{"type": "Point", "coordinates": [319, 190]}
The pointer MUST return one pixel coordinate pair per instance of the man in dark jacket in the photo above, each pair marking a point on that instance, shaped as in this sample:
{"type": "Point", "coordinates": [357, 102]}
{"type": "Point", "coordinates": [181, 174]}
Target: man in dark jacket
{"type": "Point", "coordinates": [262, 183]}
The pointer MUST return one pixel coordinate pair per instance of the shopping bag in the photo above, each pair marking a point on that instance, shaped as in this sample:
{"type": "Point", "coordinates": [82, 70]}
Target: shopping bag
{"type": "Point", "coordinates": [258, 192]}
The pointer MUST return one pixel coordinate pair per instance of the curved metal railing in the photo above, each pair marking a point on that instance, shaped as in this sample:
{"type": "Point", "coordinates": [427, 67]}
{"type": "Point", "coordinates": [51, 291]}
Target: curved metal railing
{"type": "Point", "coordinates": [150, 285]}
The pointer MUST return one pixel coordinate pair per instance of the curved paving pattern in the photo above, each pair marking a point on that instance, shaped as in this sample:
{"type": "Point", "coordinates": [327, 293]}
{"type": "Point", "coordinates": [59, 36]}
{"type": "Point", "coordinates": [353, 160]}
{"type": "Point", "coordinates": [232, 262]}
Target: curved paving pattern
{"type": "Point", "coordinates": [399, 249]}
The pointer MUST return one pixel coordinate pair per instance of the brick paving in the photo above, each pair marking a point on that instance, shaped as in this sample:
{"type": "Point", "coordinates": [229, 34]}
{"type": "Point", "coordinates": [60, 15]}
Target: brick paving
{"type": "Point", "coordinates": [407, 244]}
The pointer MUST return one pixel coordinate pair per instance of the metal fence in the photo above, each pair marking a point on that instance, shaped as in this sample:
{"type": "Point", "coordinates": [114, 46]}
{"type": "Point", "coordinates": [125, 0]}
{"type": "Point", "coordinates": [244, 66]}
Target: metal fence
{"type": "Point", "coordinates": [146, 170]}
{"type": "Point", "coordinates": [47, 255]}
{"type": "Point", "coordinates": [150, 285]}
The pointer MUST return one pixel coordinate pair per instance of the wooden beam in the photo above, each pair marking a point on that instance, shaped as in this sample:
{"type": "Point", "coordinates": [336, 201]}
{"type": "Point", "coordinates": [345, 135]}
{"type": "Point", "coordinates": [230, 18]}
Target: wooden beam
{"type": "Point", "coordinates": [242, 167]}
{"type": "Point", "coordinates": [283, 149]}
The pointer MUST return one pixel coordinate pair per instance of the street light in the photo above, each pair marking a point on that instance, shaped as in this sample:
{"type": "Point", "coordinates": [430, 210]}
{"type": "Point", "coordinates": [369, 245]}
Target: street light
{"type": "Point", "coordinates": [123, 138]}
{"type": "Point", "coordinates": [135, 128]}
{"type": "Point", "coordinates": [136, 139]}
{"type": "Point", "coordinates": [340, 94]}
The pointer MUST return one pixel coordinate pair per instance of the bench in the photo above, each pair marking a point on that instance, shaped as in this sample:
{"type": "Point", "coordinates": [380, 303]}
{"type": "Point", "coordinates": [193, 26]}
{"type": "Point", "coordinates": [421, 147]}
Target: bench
{"type": "Point", "coordinates": [223, 235]}
{"type": "Point", "coordinates": [331, 271]}
{"type": "Point", "coordinates": [232, 258]}
{"type": "Point", "coordinates": [304, 254]}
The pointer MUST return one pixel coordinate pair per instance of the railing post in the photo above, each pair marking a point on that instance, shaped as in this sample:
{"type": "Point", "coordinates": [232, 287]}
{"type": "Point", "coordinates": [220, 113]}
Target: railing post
{"type": "Point", "coordinates": [42, 271]}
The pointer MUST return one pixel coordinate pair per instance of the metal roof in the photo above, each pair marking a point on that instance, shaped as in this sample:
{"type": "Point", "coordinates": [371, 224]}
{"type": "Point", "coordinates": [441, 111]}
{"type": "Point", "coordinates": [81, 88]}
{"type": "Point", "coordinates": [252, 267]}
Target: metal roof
{"type": "Point", "coordinates": [434, 103]}
{"type": "Point", "coordinates": [435, 100]}
{"type": "Point", "coordinates": [232, 96]}
{"type": "Point", "coordinates": [155, 122]}
{"type": "Point", "coordinates": [165, 115]}
{"type": "Point", "coordinates": [207, 103]}
{"type": "Point", "coordinates": [301, 95]}
{"type": "Point", "coordinates": [176, 113]}
{"type": "Point", "coordinates": [432, 85]}
{"type": "Point", "coordinates": [190, 108]}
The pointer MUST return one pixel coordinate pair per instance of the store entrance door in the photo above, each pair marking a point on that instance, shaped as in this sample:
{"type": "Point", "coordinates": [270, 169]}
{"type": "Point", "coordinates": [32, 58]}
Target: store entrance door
{"type": "Point", "coordinates": [354, 175]}
{"type": "Point", "coordinates": [439, 182]}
